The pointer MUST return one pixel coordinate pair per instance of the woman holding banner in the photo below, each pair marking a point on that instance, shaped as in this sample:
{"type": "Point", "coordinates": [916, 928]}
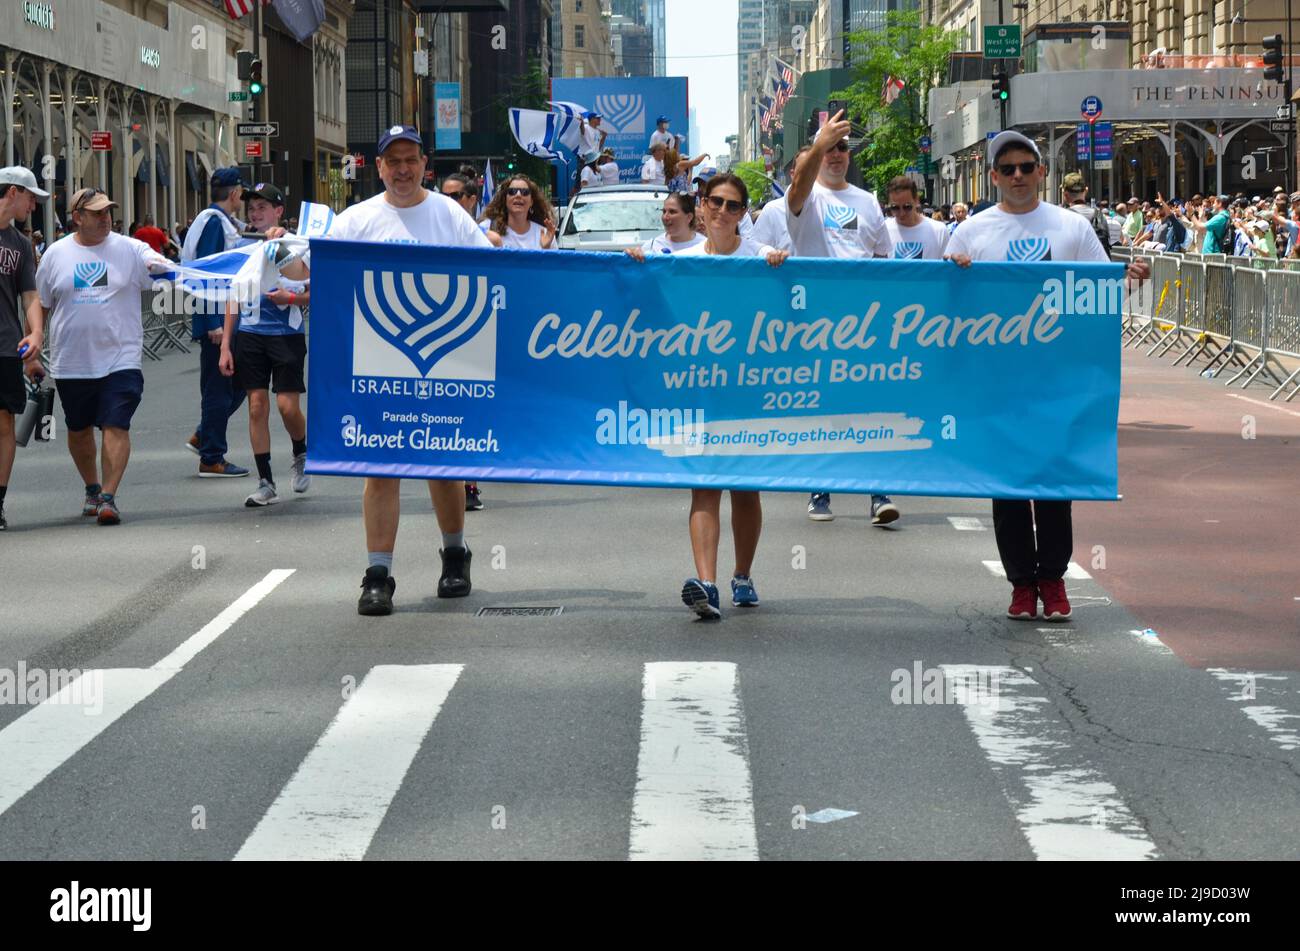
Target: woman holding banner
{"type": "Point", "coordinates": [521, 215]}
{"type": "Point", "coordinates": [679, 234]}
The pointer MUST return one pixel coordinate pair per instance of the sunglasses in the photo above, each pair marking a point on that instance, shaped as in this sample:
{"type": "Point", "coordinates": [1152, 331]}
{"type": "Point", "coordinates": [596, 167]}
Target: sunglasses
{"type": "Point", "coordinates": [513, 192]}
{"type": "Point", "coordinates": [456, 194]}
{"type": "Point", "coordinates": [1009, 169]}
{"type": "Point", "coordinates": [901, 207]}
{"type": "Point", "coordinates": [840, 146]}
{"type": "Point", "coordinates": [717, 203]}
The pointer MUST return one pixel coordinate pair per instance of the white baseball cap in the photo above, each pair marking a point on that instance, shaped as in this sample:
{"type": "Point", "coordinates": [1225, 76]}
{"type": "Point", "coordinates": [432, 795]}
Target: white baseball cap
{"type": "Point", "coordinates": [1011, 137]}
{"type": "Point", "coordinates": [22, 177]}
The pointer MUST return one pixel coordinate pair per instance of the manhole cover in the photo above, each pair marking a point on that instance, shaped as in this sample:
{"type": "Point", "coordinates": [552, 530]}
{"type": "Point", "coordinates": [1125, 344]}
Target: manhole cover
{"type": "Point", "coordinates": [518, 612]}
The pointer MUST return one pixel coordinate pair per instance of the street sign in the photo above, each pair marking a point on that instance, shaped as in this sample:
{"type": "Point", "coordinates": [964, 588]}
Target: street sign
{"type": "Point", "coordinates": [253, 149]}
{"type": "Point", "coordinates": [239, 96]}
{"type": "Point", "coordinates": [1001, 41]}
{"type": "Point", "coordinates": [1281, 126]}
{"type": "Point", "coordinates": [1091, 108]}
{"type": "Point", "coordinates": [1103, 165]}
{"type": "Point", "coordinates": [1103, 141]}
{"type": "Point", "coordinates": [257, 128]}
{"type": "Point", "coordinates": [925, 143]}
{"type": "Point", "coordinates": [1284, 111]}
{"type": "Point", "coordinates": [101, 141]}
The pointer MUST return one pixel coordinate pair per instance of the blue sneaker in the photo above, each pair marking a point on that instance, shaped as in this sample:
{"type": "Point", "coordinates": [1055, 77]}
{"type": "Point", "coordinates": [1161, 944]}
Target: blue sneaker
{"type": "Point", "coordinates": [883, 511]}
{"type": "Point", "coordinates": [221, 470]}
{"type": "Point", "coordinates": [702, 598]}
{"type": "Point", "coordinates": [743, 594]}
{"type": "Point", "coordinates": [819, 507]}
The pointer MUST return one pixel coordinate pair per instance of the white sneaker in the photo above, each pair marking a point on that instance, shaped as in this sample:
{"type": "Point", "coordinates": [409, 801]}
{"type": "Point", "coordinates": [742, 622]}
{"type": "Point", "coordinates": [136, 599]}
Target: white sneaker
{"type": "Point", "coordinates": [301, 481]}
{"type": "Point", "coordinates": [265, 495]}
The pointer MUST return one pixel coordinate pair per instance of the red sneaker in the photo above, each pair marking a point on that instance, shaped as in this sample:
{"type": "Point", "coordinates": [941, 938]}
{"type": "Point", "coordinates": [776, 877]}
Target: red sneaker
{"type": "Point", "coordinates": [1056, 606]}
{"type": "Point", "coordinates": [1024, 603]}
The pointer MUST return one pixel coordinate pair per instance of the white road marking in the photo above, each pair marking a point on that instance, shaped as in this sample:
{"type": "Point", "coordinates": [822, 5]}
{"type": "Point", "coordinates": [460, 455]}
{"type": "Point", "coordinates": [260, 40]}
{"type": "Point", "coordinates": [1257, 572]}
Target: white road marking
{"type": "Point", "coordinates": [1074, 571]}
{"type": "Point", "coordinates": [967, 524]}
{"type": "Point", "coordinates": [333, 805]}
{"type": "Point", "coordinates": [1280, 409]}
{"type": "Point", "coordinates": [47, 736]}
{"type": "Point", "coordinates": [1066, 809]}
{"type": "Point", "coordinates": [1282, 727]}
{"type": "Point", "coordinates": [694, 798]}
{"type": "Point", "coordinates": [1152, 639]}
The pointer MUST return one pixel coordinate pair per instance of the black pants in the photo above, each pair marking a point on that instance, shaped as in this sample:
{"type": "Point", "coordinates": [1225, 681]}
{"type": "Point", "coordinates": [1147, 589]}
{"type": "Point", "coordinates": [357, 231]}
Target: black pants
{"type": "Point", "coordinates": [1025, 558]}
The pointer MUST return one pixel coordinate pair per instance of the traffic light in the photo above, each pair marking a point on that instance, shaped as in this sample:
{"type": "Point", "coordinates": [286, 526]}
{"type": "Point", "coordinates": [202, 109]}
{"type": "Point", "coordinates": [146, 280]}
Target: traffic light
{"type": "Point", "coordinates": [1001, 87]}
{"type": "Point", "coordinates": [1273, 58]}
{"type": "Point", "coordinates": [255, 86]}
{"type": "Point", "coordinates": [510, 163]}
{"type": "Point", "coordinates": [243, 60]}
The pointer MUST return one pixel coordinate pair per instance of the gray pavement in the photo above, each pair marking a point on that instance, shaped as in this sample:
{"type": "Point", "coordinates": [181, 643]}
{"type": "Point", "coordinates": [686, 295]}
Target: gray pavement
{"type": "Point", "coordinates": [1095, 742]}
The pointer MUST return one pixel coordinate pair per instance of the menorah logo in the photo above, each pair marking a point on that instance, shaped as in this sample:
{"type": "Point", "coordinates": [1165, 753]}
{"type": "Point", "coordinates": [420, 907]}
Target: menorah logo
{"type": "Point", "coordinates": [907, 249]}
{"type": "Point", "coordinates": [840, 217]}
{"type": "Point", "coordinates": [1029, 249]}
{"type": "Point", "coordinates": [90, 274]}
{"type": "Point", "coordinates": [424, 318]}
{"type": "Point", "coordinates": [621, 114]}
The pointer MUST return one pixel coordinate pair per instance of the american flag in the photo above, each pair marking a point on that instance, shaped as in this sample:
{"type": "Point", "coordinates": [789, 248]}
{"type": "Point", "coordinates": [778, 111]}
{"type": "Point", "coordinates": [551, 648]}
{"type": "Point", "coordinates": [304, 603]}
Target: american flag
{"type": "Point", "coordinates": [242, 8]}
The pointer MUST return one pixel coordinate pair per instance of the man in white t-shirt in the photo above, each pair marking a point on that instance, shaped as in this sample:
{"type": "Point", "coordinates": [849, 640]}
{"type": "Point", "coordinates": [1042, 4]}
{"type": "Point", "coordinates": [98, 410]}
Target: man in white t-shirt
{"type": "Point", "coordinates": [405, 213]}
{"type": "Point", "coordinates": [912, 234]}
{"type": "Point", "coordinates": [829, 218]}
{"type": "Point", "coordinates": [592, 135]}
{"type": "Point", "coordinates": [661, 135]}
{"type": "Point", "coordinates": [608, 167]}
{"type": "Point", "coordinates": [89, 286]}
{"type": "Point", "coordinates": [1035, 539]}
{"type": "Point", "coordinates": [652, 169]}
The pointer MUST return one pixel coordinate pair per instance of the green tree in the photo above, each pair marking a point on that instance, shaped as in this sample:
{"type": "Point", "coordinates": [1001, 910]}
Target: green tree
{"type": "Point", "coordinates": [906, 50]}
{"type": "Point", "coordinates": [754, 175]}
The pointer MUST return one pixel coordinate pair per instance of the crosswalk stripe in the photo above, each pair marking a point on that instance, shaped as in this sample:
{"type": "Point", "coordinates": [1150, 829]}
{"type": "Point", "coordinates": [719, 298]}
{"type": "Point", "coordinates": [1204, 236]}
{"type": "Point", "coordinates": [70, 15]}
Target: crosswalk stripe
{"type": "Point", "coordinates": [1066, 809]}
{"type": "Point", "coordinates": [1282, 727]}
{"type": "Point", "coordinates": [47, 736]}
{"type": "Point", "coordinates": [967, 524]}
{"type": "Point", "coordinates": [333, 805]}
{"type": "Point", "coordinates": [694, 798]}
{"type": "Point", "coordinates": [1074, 571]}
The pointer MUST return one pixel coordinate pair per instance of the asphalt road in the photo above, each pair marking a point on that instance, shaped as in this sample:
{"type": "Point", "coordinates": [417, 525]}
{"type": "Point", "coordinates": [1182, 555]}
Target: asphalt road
{"type": "Point", "coordinates": [243, 709]}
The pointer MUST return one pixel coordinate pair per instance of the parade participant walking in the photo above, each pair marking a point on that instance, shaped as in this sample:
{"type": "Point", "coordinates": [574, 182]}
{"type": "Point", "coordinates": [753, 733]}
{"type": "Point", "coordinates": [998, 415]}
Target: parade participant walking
{"type": "Point", "coordinates": [522, 216]}
{"type": "Point", "coordinates": [18, 195]}
{"type": "Point", "coordinates": [679, 235]}
{"type": "Point", "coordinates": [725, 201]}
{"type": "Point", "coordinates": [405, 213]}
{"type": "Point", "coordinates": [911, 233]}
{"type": "Point", "coordinates": [215, 229]}
{"type": "Point", "coordinates": [89, 287]}
{"type": "Point", "coordinates": [270, 348]}
{"type": "Point", "coordinates": [959, 212]}
{"type": "Point", "coordinates": [1035, 539]}
{"type": "Point", "coordinates": [829, 218]}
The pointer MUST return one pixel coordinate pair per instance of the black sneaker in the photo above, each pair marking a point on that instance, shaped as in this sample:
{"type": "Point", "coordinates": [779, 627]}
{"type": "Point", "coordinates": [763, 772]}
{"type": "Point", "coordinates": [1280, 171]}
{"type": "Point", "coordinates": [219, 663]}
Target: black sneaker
{"type": "Point", "coordinates": [473, 503]}
{"type": "Point", "coordinates": [454, 582]}
{"type": "Point", "coordinates": [376, 592]}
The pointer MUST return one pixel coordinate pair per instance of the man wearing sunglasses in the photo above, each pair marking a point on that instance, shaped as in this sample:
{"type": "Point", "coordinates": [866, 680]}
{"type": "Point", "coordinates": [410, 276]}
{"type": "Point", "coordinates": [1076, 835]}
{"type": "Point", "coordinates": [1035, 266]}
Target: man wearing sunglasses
{"type": "Point", "coordinates": [464, 192]}
{"type": "Point", "coordinates": [829, 218]}
{"type": "Point", "coordinates": [1035, 539]}
{"type": "Point", "coordinates": [912, 234]}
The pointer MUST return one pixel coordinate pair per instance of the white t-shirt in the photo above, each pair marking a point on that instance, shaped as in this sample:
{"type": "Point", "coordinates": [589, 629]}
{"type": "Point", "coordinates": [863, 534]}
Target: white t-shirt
{"type": "Point", "coordinates": [530, 240]}
{"type": "Point", "coordinates": [1048, 233]}
{"type": "Point", "coordinates": [770, 227]}
{"type": "Point", "coordinates": [926, 239]}
{"type": "Point", "coordinates": [434, 221]}
{"type": "Point", "coordinates": [748, 248]}
{"type": "Point", "coordinates": [652, 171]}
{"type": "Point", "coordinates": [840, 223]}
{"type": "Point", "coordinates": [590, 176]}
{"type": "Point", "coordinates": [590, 138]}
{"type": "Point", "coordinates": [93, 294]}
{"type": "Point", "coordinates": [609, 172]}
{"type": "Point", "coordinates": [662, 244]}
{"type": "Point", "coordinates": [667, 139]}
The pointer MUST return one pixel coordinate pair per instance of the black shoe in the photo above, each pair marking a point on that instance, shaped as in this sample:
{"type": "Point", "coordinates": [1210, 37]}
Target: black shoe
{"type": "Point", "coordinates": [376, 592]}
{"type": "Point", "coordinates": [3, 524]}
{"type": "Point", "coordinates": [473, 502]}
{"type": "Point", "coordinates": [454, 582]}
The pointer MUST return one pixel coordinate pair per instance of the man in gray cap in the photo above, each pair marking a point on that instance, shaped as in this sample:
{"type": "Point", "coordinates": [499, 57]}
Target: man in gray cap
{"type": "Point", "coordinates": [18, 196]}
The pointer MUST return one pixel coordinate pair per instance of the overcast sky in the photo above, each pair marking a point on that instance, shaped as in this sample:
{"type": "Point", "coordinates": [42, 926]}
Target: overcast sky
{"type": "Point", "coordinates": [702, 47]}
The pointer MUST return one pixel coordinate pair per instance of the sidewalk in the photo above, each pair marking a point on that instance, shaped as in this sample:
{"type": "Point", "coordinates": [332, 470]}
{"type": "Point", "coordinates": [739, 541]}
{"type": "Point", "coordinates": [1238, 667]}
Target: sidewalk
{"type": "Point", "coordinates": [1204, 546]}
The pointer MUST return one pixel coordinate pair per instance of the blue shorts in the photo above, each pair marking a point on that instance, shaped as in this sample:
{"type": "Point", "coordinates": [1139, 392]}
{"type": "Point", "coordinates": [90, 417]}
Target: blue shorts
{"type": "Point", "coordinates": [107, 402]}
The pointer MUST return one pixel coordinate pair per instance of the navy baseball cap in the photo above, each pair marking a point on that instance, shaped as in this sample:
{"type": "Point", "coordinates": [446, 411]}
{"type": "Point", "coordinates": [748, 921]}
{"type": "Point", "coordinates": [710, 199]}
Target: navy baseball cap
{"type": "Point", "coordinates": [267, 191]}
{"type": "Point", "coordinates": [661, 119]}
{"type": "Point", "coordinates": [399, 133]}
{"type": "Point", "coordinates": [591, 115]}
{"type": "Point", "coordinates": [226, 177]}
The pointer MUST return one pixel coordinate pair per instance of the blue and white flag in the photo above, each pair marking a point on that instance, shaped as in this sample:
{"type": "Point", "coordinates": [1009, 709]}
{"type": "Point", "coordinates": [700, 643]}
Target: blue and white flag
{"type": "Point", "coordinates": [240, 274]}
{"type": "Point", "coordinates": [302, 17]}
{"type": "Point", "coordinates": [543, 133]}
{"type": "Point", "coordinates": [314, 220]}
{"type": "Point", "coordinates": [489, 189]}
{"type": "Point", "coordinates": [569, 108]}
{"type": "Point", "coordinates": [777, 190]}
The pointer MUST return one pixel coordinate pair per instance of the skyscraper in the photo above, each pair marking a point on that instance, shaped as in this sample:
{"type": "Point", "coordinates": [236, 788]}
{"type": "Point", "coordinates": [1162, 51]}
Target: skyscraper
{"type": "Point", "coordinates": [637, 31]}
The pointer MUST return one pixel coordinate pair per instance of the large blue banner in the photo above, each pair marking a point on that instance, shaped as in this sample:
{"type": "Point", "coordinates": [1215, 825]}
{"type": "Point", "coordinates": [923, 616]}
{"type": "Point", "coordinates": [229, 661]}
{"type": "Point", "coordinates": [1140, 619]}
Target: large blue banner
{"type": "Point", "coordinates": [905, 377]}
{"type": "Point", "coordinates": [628, 109]}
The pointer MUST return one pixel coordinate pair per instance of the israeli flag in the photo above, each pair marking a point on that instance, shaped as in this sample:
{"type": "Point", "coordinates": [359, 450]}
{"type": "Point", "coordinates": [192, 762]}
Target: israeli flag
{"type": "Point", "coordinates": [568, 108]}
{"type": "Point", "coordinates": [777, 191]}
{"type": "Point", "coordinates": [314, 220]}
{"type": "Point", "coordinates": [240, 274]}
{"type": "Point", "coordinates": [489, 189]}
{"type": "Point", "coordinates": [543, 133]}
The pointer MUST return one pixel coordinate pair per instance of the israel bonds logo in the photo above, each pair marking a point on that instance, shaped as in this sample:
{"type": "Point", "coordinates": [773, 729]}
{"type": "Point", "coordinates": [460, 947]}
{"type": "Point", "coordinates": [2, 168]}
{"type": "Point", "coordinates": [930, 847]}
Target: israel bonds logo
{"type": "Point", "coordinates": [1029, 249]}
{"type": "Point", "coordinates": [840, 218]}
{"type": "Point", "coordinates": [425, 327]}
{"type": "Point", "coordinates": [907, 249]}
{"type": "Point", "coordinates": [621, 115]}
{"type": "Point", "coordinates": [90, 274]}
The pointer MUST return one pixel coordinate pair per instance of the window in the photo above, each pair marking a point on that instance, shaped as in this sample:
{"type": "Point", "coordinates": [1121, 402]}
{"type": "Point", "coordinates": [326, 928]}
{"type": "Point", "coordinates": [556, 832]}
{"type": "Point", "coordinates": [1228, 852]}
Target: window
{"type": "Point", "coordinates": [579, 70]}
{"type": "Point", "coordinates": [577, 6]}
{"type": "Point", "coordinates": [579, 36]}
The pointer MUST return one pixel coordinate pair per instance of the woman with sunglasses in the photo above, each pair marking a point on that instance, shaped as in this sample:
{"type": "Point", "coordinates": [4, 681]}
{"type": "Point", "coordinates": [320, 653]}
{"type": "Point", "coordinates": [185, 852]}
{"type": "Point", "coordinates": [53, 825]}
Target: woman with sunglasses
{"type": "Point", "coordinates": [726, 201]}
{"type": "Point", "coordinates": [520, 213]}
{"type": "Point", "coordinates": [679, 234]}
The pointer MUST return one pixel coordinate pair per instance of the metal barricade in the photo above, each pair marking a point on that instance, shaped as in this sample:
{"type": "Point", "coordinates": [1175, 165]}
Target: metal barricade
{"type": "Point", "coordinates": [1215, 340]}
{"type": "Point", "coordinates": [1167, 313]}
{"type": "Point", "coordinates": [1284, 325]}
{"type": "Point", "coordinates": [1250, 322]}
{"type": "Point", "coordinates": [1138, 305]}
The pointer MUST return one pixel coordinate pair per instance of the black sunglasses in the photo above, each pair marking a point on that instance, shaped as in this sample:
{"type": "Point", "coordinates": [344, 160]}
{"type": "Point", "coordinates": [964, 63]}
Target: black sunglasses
{"type": "Point", "coordinates": [519, 191]}
{"type": "Point", "coordinates": [456, 194]}
{"type": "Point", "coordinates": [901, 207]}
{"type": "Point", "coordinates": [717, 203]}
{"type": "Point", "coordinates": [841, 146]}
{"type": "Point", "coordinates": [1008, 169]}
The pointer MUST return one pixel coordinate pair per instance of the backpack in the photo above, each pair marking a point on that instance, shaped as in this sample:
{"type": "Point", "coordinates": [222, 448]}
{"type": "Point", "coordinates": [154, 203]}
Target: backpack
{"type": "Point", "coordinates": [1098, 222]}
{"type": "Point", "coordinates": [1228, 243]}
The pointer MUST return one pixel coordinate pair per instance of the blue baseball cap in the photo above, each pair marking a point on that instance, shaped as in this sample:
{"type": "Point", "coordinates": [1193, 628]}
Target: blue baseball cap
{"type": "Point", "coordinates": [662, 119]}
{"type": "Point", "coordinates": [226, 177]}
{"type": "Point", "coordinates": [399, 133]}
{"type": "Point", "coordinates": [591, 115]}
